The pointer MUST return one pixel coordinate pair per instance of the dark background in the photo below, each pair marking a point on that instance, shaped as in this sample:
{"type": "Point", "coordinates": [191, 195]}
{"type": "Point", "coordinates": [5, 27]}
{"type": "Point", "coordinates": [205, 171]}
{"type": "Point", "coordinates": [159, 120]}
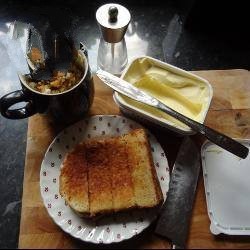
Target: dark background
{"type": "Point", "coordinates": [214, 34]}
{"type": "Point", "coordinates": [193, 35]}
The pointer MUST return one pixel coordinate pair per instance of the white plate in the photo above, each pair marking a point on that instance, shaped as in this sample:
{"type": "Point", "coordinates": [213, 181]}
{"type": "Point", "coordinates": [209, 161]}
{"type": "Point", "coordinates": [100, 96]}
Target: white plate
{"type": "Point", "coordinates": [111, 228]}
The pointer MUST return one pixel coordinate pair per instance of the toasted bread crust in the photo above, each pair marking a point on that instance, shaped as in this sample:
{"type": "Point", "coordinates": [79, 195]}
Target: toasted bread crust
{"type": "Point", "coordinates": [113, 174]}
{"type": "Point", "coordinates": [159, 195]}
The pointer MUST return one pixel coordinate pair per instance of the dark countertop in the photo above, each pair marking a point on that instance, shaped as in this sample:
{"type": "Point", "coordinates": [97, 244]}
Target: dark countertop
{"type": "Point", "coordinates": [160, 31]}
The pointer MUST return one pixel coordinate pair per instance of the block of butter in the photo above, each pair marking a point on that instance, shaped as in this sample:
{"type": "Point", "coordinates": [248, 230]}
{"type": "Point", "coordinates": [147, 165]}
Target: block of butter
{"type": "Point", "coordinates": [182, 91]}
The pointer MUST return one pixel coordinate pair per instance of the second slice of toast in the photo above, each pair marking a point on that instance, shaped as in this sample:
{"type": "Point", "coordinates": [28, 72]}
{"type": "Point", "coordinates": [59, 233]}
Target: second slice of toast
{"type": "Point", "coordinates": [122, 181]}
{"type": "Point", "coordinates": [99, 177]}
{"type": "Point", "coordinates": [147, 192]}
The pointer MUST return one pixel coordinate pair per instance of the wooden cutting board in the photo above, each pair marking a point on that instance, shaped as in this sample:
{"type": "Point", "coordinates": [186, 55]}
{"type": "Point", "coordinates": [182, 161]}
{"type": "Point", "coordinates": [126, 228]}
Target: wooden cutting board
{"type": "Point", "coordinates": [229, 113]}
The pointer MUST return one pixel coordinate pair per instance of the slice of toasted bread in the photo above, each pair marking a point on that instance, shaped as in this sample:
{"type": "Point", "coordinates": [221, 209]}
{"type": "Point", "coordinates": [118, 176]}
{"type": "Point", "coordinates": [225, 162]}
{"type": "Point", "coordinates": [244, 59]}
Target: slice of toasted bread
{"type": "Point", "coordinates": [106, 175]}
{"type": "Point", "coordinates": [74, 180]}
{"type": "Point", "coordinates": [147, 191]}
{"type": "Point", "coordinates": [99, 177]}
{"type": "Point", "coordinates": [122, 183]}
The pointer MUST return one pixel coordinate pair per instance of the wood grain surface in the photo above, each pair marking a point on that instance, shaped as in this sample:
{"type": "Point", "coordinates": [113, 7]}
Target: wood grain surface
{"type": "Point", "coordinates": [229, 113]}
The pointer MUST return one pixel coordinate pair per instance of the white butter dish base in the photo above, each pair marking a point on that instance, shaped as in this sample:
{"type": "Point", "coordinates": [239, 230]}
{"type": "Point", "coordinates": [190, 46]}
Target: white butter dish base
{"type": "Point", "coordinates": [227, 187]}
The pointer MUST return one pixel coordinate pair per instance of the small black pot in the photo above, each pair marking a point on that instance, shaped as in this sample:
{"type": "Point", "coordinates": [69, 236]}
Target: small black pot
{"type": "Point", "coordinates": [65, 107]}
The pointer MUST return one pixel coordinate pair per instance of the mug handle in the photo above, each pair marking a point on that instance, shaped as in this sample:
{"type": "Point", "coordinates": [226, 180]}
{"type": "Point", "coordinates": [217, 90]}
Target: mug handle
{"type": "Point", "coordinates": [15, 97]}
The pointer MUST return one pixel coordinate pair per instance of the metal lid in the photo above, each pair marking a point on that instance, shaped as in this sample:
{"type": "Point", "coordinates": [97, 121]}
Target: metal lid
{"type": "Point", "coordinates": [227, 187]}
{"type": "Point", "coordinates": [113, 20]}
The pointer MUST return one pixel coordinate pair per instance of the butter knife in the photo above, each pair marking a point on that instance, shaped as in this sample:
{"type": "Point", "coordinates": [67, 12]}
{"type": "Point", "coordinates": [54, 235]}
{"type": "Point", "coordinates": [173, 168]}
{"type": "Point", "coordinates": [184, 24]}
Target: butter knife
{"type": "Point", "coordinates": [216, 137]}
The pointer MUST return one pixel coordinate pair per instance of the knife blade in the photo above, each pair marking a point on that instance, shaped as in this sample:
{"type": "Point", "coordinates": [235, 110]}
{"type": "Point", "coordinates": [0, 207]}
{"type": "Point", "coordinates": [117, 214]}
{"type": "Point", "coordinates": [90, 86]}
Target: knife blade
{"type": "Point", "coordinates": [129, 90]}
{"type": "Point", "coordinates": [173, 222]}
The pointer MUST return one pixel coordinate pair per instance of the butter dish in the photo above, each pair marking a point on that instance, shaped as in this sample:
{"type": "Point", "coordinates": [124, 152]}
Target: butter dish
{"type": "Point", "coordinates": [183, 91]}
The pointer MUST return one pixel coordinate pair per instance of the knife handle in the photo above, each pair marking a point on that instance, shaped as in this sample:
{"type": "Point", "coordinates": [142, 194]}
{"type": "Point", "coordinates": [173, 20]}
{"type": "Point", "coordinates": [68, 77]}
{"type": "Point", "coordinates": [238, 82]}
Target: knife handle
{"type": "Point", "coordinates": [218, 138]}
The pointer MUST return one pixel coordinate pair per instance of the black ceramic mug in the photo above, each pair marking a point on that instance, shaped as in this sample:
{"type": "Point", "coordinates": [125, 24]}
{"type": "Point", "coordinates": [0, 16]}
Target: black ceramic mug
{"type": "Point", "coordinates": [65, 107]}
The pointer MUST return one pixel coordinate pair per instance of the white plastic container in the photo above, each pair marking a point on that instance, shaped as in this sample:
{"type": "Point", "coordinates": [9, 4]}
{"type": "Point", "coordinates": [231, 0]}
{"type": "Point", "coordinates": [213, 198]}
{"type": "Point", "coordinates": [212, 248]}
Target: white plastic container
{"type": "Point", "coordinates": [140, 114]}
{"type": "Point", "coordinates": [227, 188]}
